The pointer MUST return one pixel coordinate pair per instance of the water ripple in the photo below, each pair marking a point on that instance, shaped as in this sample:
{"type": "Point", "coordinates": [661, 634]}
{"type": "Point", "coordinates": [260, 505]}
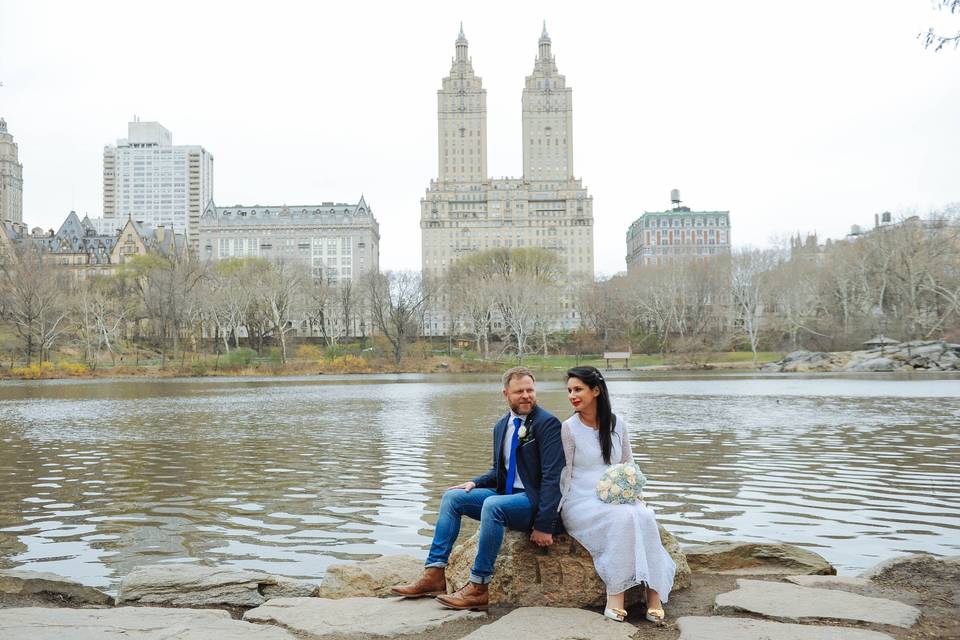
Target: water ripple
{"type": "Point", "coordinates": [291, 475]}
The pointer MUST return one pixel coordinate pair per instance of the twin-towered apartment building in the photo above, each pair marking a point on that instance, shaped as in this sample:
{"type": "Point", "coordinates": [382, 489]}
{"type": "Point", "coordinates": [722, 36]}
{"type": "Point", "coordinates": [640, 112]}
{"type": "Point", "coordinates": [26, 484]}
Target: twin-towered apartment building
{"type": "Point", "coordinates": [465, 210]}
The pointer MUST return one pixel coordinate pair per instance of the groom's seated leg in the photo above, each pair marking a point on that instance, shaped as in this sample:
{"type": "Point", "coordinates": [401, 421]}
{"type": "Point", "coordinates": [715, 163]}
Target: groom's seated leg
{"type": "Point", "coordinates": [498, 513]}
{"type": "Point", "coordinates": [455, 504]}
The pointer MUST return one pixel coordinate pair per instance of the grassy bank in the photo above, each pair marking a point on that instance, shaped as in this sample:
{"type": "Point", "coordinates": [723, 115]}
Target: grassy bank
{"type": "Point", "coordinates": [245, 363]}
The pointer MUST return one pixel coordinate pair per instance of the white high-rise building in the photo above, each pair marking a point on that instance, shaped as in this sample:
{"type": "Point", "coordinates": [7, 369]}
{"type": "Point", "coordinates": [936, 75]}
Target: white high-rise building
{"type": "Point", "coordinates": [149, 179]}
{"type": "Point", "coordinates": [11, 178]}
{"type": "Point", "coordinates": [464, 210]}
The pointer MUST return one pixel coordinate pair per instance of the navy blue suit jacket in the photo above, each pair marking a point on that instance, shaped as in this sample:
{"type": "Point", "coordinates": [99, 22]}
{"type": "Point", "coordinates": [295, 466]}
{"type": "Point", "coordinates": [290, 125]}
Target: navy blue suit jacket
{"type": "Point", "coordinates": [540, 460]}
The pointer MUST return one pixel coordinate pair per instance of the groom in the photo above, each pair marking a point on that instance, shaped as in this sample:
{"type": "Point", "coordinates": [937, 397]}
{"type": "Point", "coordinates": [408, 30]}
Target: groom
{"type": "Point", "coordinates": [520, 491]}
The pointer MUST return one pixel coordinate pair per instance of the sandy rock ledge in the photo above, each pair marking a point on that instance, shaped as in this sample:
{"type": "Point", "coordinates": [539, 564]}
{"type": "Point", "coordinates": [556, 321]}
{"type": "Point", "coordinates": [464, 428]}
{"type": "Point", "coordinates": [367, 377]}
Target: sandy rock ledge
{"type": "Point", "coordinates": [369, 577]}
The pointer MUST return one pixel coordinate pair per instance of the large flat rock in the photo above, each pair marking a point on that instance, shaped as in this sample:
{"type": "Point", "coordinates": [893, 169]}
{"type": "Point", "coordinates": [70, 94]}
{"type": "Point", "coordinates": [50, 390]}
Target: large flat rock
{"type": "Point", "coordinates": [714, 628]}
{"type": "Point", "coordinates": [555, 623]}
{"type": "Point", "coordinates": [789, 602]}
{"type": "Point", "coordinates": [190, 585]}
{"type": "Point", "coordinates": [319, 617]}
{"type": "Point", "coordinates": [369, 577]}
{"type": "Point", "coordinates": [755, 558]}
{"type": "Point", "coordinates": [561, 575]}
{"type": "Point", "coordinates": [20, 582]}
{"type": "Point", "coordinates": [826, 582]}
{"type": "Point", "coordinates": [130, 623]}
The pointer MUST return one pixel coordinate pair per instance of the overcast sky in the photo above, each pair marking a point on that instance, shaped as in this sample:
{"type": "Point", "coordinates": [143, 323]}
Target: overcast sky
{"type": "Point", "coordinates": [793, 116]}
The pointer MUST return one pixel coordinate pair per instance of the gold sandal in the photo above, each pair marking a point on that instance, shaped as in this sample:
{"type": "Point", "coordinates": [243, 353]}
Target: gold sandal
{"type": "Point", "coordinates": [656, 616]}
{"type": "Point", "coordinates": [615, 614]}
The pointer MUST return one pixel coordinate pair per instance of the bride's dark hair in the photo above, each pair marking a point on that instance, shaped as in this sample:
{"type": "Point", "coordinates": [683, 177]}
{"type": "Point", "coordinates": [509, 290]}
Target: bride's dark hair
{"type": "Point", "coordinates": [606, 421]}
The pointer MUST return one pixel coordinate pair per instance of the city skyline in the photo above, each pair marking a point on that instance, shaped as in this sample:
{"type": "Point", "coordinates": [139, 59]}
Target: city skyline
{"type": "Point", "coordinates": [793, 121]}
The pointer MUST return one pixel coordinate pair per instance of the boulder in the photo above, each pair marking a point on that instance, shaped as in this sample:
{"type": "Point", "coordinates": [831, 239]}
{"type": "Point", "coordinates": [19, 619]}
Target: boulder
{"type": "Point", "coordinates": [377, 617]}
{"type": "Point", "coordinates": [917, 572]}
{"type": "Point", "coordinates": [809, 361]}
{"type": "Point", "coordinates": [790, 603]}
{"type": "Point", "coordinates": [932, 350]}
{"type": "Point", "coordinates": [130, 623]}
{"type": "Point", "coordinates": [873, 364]}
{"type": "Point", "coordinates": [561, 575]}
{"type": "Point", "coordinates": [369, 577]}
{"type": "Point", "coordinates": [921, 362]}
{"type": "Point", "coordinates": [555, 624]}
{"type": "Point", "coordinates": [19, 582]}
{"type": "Point", "coordinates": [753, 558]}
{"type": "Point", "coordinates": [189, 585]}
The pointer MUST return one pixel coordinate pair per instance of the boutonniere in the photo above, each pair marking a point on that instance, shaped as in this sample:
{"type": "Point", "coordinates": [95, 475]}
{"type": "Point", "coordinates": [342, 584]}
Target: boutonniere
{"type": "Point", "coordinates": [525, 433]}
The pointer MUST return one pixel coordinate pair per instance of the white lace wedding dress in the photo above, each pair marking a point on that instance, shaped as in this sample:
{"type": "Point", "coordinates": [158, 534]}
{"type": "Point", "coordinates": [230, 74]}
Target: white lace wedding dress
{"type": "Point", "coordinates": [622, 538]}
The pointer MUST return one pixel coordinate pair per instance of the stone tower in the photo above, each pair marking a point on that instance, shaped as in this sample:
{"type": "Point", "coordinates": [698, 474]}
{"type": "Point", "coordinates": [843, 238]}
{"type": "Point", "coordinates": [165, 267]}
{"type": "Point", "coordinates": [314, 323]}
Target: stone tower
{"type": "Point", "coordinates": [11, 178]}
{"type": "Point", "coordinates": [462, 121]}
{"type": "Point", "coordinates": [547, 119]}
{"type": "Point", "coordinates": [465, 211]}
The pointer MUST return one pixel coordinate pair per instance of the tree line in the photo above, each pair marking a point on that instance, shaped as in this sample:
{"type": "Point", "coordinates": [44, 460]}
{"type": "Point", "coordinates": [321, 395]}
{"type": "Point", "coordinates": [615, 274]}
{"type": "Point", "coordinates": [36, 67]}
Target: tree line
{"type": "Point", "coordinates": [901, 279]}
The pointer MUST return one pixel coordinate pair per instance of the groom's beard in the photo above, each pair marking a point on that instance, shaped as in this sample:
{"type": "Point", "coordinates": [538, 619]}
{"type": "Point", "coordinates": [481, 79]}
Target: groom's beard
{"type": "Point", "coordinates": [522, 411]}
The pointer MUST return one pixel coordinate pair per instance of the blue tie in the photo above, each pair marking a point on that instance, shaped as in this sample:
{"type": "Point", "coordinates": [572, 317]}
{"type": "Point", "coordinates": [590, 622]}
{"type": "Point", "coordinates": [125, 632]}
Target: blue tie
{"type": "Point", "coordinates": [512, 467]}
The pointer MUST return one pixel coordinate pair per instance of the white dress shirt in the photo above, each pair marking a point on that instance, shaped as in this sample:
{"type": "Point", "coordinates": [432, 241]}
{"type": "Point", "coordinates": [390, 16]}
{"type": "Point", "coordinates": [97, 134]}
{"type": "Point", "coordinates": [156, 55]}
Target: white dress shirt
{"type": "Point", "coordinates": [507, 437]}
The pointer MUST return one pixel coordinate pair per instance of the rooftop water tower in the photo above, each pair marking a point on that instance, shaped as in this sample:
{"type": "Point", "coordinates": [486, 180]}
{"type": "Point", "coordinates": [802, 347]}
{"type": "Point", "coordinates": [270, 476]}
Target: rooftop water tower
{"type": "Point", "coordinates": [675, 198]}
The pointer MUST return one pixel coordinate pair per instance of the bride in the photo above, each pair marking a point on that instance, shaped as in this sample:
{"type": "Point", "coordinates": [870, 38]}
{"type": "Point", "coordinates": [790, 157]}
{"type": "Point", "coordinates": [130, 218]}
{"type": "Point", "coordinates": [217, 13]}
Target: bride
{"type": "Point", "coordinates": [622, 538]}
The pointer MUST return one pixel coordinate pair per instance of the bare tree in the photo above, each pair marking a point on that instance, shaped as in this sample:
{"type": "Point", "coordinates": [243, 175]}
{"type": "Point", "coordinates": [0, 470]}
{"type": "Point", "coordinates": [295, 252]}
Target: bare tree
{"type": "Point", "coordinates": [165, 285]}
{"type": "Point", "coordinates": [525, 290]}
{"type": "Point", "coordinates": [101, 310]}
{"type": "Point", "coordinates": [933, 39]}
{"type": "Point", "coordinates": [36, 297]}
{"type": "Point", "coordinates": [750, 283]}
{"type": "Point", "coordinates": [281, 289]}
{"type": "Point", "coordinates": [395, 299]}
{"type": "Point", "coordinates": [471, 291]}
{"type": "Point", "coordinates": [795, 292]}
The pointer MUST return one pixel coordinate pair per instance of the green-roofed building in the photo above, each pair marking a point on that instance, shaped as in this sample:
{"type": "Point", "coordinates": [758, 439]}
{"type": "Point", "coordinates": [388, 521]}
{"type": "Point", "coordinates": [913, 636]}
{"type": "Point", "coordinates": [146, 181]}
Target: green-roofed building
{"type": "Point", "coordinates": [657, 237]}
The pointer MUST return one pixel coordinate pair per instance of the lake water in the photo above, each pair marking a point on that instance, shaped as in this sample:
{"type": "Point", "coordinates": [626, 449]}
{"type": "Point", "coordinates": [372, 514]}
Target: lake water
{"type": "Point", "coordinates": [289, 475]}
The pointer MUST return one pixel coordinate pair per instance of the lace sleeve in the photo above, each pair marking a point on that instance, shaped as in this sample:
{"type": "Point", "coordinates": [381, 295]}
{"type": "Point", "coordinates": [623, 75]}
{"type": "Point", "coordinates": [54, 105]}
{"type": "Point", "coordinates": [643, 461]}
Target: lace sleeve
{"type": "Point", "coordinates": [626, 454]}
{"type": "Point", "coordinates": [569, 449]}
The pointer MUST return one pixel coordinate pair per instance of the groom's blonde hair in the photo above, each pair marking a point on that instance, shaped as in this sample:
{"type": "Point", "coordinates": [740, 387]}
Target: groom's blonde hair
{"type": "Point", "coordinates": [516, 372]}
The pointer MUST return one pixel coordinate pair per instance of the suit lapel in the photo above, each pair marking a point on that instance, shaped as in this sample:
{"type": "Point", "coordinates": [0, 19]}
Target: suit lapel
{"type": "Point", "coordinates": [498, 432]}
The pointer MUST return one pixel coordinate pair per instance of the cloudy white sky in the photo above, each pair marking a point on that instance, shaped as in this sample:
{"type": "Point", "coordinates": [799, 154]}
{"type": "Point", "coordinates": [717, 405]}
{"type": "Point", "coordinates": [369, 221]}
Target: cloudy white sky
{"type": "Point", "coordinates": [793, 116]}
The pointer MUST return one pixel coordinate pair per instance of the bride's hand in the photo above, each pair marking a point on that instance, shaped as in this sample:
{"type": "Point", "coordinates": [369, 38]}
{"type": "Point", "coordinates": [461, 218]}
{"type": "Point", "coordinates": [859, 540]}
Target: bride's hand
{"type": "Point", "coordinates": [466, 486]}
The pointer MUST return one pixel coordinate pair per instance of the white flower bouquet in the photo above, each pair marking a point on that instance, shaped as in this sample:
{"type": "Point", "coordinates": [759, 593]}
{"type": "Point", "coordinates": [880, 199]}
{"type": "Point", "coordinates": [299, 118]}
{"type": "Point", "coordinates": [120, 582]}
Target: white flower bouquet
{"type": "Point", "coordinates": [621, 484]}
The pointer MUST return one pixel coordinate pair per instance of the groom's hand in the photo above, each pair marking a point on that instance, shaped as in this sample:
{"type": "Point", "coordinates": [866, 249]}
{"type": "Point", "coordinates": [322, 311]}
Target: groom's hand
{"type": "Point", "coordinates": [541, 539]}
{"type": "Point", "coordinates": [466, 486]}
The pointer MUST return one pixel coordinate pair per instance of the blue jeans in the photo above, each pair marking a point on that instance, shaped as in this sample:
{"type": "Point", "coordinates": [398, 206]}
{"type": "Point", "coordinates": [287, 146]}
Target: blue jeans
{"type": "Point", "coordinates": [495, 512]}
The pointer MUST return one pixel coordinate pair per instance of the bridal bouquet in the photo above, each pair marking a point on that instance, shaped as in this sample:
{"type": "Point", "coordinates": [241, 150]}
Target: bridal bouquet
{"type": "Point", "coordinates": [621, 484]}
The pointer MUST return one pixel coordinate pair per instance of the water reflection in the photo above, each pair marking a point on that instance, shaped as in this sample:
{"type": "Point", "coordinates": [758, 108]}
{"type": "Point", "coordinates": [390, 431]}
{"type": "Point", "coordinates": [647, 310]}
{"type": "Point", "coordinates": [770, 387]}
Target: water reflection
{"type": "Point", "coordinates": [291, 475]}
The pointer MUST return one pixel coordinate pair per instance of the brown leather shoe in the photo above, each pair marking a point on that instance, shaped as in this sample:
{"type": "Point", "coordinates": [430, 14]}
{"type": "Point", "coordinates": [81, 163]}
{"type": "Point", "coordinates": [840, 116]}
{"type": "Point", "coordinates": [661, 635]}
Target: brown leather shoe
{"type": "Point", "coordinates": [470, 596]}
{"type": "Point", "coordinates": [432, 582]}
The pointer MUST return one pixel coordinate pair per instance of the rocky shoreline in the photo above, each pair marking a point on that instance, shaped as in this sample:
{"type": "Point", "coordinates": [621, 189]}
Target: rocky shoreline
{"type": "Point", "coordinates": [919, 355]}
{"type": "Point", "coordinates": [724, 590]}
